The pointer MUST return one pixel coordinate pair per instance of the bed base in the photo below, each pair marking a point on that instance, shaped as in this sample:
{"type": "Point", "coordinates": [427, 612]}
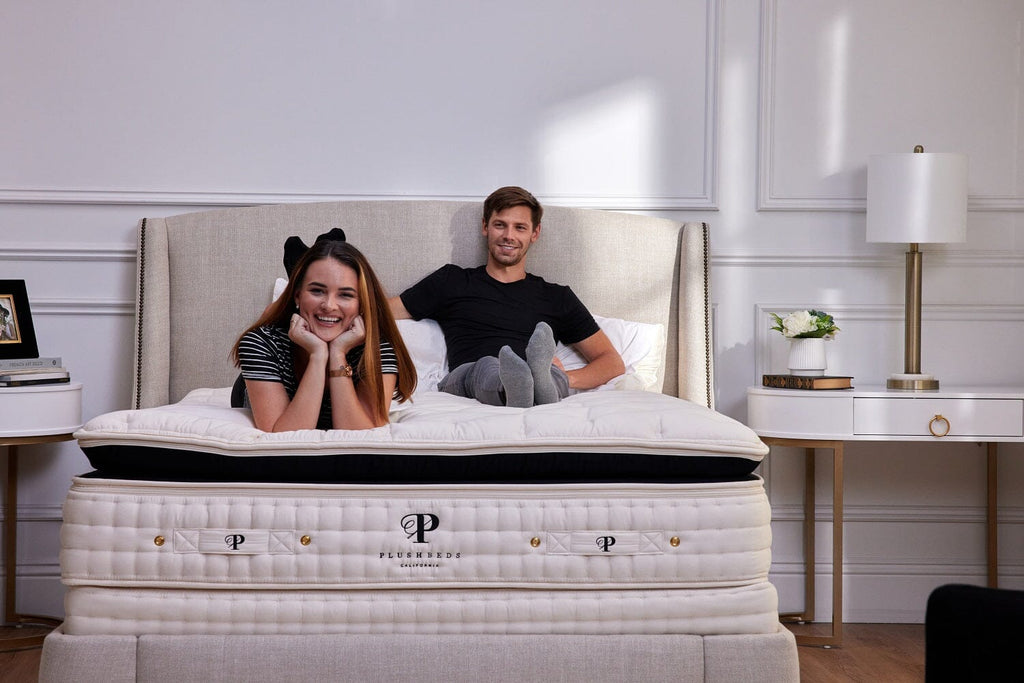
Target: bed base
{"type": "Point", "coordinates": [422, 658]}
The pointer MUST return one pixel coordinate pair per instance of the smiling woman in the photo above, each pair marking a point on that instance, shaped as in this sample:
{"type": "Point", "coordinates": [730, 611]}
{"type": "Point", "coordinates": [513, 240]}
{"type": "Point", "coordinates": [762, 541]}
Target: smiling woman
{"type": "Point", "coordinates": [327, 353]}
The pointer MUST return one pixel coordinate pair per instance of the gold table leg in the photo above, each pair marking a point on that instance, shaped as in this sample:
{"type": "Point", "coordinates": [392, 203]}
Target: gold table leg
{"type": "Point", "coordinates": [992, 516]}
{"type": "Point", "coordinates": [835, 639]}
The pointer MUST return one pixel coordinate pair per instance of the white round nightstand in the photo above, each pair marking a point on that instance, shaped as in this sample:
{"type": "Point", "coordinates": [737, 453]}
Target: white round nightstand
{"type": "Point", "coordinates": [41, 413]}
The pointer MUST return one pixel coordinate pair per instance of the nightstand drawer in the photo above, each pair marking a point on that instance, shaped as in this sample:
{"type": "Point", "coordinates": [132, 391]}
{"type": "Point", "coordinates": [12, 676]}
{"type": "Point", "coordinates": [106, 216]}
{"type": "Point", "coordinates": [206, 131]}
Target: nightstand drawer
{"type": "Point", "coordinates": [963, 417]}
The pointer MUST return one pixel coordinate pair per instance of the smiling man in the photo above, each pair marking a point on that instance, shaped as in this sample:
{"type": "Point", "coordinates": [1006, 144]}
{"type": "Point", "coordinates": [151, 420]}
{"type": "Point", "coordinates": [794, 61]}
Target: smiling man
{"type": "Point", "coordinates": [501, 323]}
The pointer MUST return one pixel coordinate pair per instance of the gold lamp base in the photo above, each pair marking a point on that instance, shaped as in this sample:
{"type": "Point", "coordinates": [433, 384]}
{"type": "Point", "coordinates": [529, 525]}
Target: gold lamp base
{"type": "Point", "coordinates": [912, 382]}
{"type": "Point", "coordinates": [912, 379]}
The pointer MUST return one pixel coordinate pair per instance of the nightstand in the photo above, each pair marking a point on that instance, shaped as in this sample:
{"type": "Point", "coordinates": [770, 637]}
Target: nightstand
{"type": "Point", "coordinates": [41, 413]}
{"type": "Point", "coordinates": [827, 418]}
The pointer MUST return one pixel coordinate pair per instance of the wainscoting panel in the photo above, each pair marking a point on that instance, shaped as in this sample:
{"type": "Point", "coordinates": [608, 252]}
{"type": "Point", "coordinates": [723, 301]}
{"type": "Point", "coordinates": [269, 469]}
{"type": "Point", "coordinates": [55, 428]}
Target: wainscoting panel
{"type": "Point", "coordinates": [871, 339]}
{"type": "Point", "coordinates": [914, 518]}
{"type": "Point", "coordinates": [353, 99]}
{"type": "Point", "coordinates": [843, 80]}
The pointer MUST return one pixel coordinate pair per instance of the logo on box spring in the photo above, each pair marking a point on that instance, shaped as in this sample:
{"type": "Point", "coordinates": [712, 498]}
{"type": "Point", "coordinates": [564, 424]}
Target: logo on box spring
{"type": "Point", "coordinates": [605, 543]}
{"type": "Point", "coordinates": [234, 542]}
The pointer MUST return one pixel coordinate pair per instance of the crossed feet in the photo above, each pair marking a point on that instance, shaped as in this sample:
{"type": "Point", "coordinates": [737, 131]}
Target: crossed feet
{"type": "Point", "coordinates": [529, 382]}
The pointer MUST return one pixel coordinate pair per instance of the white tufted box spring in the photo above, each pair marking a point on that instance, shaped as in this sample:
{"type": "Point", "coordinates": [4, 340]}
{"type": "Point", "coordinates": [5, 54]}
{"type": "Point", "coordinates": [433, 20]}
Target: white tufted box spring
{"type": "Point", "coordinates": [156, 534]}
{"type": "Point", "coordinates": [151, 557]}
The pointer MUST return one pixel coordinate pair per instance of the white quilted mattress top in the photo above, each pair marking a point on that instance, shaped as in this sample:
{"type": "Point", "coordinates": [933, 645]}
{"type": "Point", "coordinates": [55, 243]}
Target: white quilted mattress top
{"type": "Point", "coordinates": [630, 421]}
{"type": "Point", "coordinates": [333, 536]}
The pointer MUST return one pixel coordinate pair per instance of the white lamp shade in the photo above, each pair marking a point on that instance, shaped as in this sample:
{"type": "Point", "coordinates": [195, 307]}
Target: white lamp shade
{"type": "Point", "coordinates": [917, 197]}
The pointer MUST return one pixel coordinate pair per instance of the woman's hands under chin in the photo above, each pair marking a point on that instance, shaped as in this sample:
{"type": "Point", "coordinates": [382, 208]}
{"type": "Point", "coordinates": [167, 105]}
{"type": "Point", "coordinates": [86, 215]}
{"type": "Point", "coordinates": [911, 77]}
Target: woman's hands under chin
{"type": "Point", "coordinates": [350, 338]}
{"type": "Point", "coordinates": [299, 332]}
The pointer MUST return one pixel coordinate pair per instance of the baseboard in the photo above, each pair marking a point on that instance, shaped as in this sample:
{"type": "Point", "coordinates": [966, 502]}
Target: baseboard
{"type": "Point", "coordinates": [875, 598]}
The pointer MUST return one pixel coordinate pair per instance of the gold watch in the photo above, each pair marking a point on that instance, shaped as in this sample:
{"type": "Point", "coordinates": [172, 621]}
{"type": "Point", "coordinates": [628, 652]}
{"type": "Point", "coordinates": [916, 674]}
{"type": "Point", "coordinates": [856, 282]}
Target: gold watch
{"type": "Point", "coordinates": [343, 371]}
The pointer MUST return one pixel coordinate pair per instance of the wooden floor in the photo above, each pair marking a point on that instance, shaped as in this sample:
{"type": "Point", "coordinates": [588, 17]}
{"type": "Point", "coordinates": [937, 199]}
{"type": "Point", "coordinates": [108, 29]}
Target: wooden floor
{"type": "Point", "coordinates": [893, 653]}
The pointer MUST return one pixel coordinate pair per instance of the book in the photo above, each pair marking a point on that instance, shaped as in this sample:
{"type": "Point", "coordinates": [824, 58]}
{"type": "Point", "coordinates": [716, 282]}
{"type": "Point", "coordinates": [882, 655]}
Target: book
{"type": "Point", "coordinates": [25, 377]}
{"type": "Point", "coordinates": [797, 382]}
{"type": "Point", "coordinates": [4, 374]}
{"type": "Point", "coordinates": [27, 363]}
{"type": "Point", "coordinates": [66, 379]}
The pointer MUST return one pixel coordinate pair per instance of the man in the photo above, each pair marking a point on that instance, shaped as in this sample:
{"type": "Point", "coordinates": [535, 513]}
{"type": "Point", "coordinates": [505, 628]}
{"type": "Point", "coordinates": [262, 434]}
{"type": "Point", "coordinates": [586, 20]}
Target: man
{"type": "Point", "coordinates": [501, 323]}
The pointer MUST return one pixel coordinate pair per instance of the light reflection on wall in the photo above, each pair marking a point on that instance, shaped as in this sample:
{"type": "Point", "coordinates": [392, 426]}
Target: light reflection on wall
{"type": "Point", "coordinates": [834, 73]}
{"type": "Point", "coordinates": [607, 142]}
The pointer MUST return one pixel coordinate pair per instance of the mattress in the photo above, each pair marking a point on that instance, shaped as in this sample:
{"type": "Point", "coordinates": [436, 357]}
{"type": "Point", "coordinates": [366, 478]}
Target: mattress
{"type": "Point", "coordinates": [162, 557]}
{"type": "Point", "coordinates": [609, 436]}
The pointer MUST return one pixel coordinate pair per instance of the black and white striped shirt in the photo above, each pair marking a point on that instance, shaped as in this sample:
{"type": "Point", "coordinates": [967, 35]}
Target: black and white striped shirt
{"type": "Point", "coordinates": [266, 354]}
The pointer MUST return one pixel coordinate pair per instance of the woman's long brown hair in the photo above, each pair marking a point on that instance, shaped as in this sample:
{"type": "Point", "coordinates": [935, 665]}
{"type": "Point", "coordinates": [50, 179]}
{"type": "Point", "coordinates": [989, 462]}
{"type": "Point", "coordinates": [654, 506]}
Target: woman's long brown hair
{"type": "Point", "coordinates": [377, 318]}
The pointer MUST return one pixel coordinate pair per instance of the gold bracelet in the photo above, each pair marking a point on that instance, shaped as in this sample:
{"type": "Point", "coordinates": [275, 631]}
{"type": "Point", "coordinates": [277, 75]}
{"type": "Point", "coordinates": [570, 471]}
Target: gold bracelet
{"type": "Point", "coordinates": [343, 371]}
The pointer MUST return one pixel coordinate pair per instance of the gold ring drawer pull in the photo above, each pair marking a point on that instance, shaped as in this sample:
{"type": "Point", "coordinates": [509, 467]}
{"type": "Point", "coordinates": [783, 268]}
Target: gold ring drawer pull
{"type": "Point", "coordinates": [940, 420]}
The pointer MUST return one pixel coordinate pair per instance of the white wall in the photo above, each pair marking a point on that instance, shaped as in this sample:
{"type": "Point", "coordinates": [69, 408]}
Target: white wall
{"type": "Point", "coordinates": [756, 117]}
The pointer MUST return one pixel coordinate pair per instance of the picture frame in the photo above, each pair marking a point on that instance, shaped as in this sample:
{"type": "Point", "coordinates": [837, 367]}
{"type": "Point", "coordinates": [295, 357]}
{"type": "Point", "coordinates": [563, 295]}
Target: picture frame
{"type": "Point", "coordinates": [17, 335]}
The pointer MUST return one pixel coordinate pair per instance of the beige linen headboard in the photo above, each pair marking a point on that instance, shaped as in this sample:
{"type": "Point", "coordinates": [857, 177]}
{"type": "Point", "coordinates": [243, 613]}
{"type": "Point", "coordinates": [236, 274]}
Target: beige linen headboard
{"type": "Point", "coordinates": [204, 277]}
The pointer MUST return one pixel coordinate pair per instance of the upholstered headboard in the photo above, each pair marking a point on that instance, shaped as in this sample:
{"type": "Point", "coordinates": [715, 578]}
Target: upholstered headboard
{"type": "Point", "coordinates": [204, 277]}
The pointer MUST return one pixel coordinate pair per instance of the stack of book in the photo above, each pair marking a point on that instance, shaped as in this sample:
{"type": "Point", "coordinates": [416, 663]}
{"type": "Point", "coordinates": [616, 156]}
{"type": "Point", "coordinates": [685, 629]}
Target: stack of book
{"type": "Point", "coordinates": [21, 372]}
{"type": "Point", "coordinates": [798, 382]}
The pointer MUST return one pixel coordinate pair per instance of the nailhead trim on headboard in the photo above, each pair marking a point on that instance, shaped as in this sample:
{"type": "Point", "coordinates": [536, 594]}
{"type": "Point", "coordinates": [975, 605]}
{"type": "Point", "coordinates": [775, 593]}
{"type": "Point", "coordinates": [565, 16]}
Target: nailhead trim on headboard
{"type": "Point", "coordinates": [707, 318]}
{"type": "Point", "coordinates": [138, 314]}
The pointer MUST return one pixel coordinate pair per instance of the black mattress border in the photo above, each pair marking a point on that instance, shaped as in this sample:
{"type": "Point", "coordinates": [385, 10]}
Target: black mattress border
{"type": "Point", "coordinates": [135, 462]}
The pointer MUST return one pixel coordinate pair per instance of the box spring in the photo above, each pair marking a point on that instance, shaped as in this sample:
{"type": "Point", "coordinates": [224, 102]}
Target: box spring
{"type": "Point", "coordinates": [145, 557]}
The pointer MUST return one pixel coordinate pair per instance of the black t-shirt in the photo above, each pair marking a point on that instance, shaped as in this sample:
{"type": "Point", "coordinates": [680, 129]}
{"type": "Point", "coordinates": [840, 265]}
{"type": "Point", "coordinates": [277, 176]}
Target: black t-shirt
{"type": "Point", "coordinates": [479, 314]}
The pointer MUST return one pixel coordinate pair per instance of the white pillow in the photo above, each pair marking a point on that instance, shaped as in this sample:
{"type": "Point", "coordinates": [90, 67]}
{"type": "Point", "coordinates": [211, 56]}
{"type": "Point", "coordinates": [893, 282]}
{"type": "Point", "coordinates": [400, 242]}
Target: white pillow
{"type": "Point", "coordinates": [425, 343]}
{"type": "Point", "coordinates": [279, 285]}
{"type": "Point", "coordinates": [642, 347]}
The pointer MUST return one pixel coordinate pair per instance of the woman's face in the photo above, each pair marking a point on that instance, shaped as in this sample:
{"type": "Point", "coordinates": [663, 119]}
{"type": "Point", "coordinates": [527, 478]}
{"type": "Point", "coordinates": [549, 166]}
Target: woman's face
{"type": "Point", "coordinates": [328, 298]}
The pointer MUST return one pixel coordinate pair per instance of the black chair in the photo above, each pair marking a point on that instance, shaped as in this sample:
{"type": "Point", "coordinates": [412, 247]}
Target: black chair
{"type": "Point", "coordinates": [973, 633]}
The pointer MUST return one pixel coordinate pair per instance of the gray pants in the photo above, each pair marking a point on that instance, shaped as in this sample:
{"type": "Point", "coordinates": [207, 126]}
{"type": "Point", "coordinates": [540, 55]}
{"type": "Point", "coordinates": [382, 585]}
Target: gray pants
{"type": "Point", "coordinates": [480, 380]}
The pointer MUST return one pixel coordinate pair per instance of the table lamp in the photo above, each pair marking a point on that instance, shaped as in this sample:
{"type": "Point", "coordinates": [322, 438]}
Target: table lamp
{"type": "Point", "coordinates": [916, 198]}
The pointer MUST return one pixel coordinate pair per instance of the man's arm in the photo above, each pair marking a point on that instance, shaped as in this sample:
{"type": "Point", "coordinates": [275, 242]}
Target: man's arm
{"type": "Point", "coordinates": [603, 362]}
{"type": "Point", "coordinates": [398, 308]}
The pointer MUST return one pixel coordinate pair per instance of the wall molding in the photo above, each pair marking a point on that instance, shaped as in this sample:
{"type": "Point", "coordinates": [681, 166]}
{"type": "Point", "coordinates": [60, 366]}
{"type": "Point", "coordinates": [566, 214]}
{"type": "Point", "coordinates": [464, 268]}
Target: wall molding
{"type": "Point", "coordinates": [96, 253]}
{"type": "Point", "coordinates": [712, 75]}
{"type": "Point", "coordinates": [767, 200]}
{"type": "Point", "coordinates": [38, 512]}
{"type": "Point", "coordinates": [986, 259]}
{"type": "Point", "coordinates": [900, 514]}
{"type": "Point", "coordinates": [83, 307]}
{"type": "Point", "coordinates": [926, 567]}
{"type": "Point", "coordinates": [705, 198]}
{"type": "Point", "coordinates": [235, 199]}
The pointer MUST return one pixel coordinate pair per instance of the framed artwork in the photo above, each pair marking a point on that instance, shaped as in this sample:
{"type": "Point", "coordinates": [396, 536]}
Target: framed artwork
{"type": "Point", "coordinates": [17, 336]}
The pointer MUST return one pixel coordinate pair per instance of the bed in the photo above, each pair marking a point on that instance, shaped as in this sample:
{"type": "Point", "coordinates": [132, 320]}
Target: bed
{"type": "Point", "coordinates": [619, 534]}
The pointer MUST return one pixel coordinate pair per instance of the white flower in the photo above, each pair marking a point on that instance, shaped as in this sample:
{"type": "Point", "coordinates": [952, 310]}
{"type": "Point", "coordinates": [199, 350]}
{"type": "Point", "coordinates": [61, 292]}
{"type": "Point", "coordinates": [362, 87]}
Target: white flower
{"type": "Point", "coordinates": [798, 322]}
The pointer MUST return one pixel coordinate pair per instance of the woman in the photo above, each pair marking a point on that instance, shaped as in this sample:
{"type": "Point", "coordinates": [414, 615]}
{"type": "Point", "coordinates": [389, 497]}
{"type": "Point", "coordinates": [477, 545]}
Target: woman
{"type": "Point", "coordinates": [327, 354]}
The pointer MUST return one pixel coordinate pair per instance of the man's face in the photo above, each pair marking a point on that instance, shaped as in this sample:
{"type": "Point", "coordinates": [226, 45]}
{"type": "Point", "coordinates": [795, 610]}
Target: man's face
{"type": "Point", "coordinates": [509, 235]}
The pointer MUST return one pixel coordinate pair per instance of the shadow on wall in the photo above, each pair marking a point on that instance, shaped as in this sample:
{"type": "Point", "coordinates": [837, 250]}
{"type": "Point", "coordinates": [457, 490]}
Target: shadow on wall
{"type": "Point", "coordinates": [733, 369]}
{"type": "Point", "coordinates": [469, 249]}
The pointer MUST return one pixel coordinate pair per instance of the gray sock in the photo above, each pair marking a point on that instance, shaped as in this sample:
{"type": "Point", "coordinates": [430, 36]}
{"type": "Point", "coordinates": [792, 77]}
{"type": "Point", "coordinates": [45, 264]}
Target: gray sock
{"type": "Point", "coordinates": [539, 353]}
{"type": "Point", "coordinates": [516, 378]}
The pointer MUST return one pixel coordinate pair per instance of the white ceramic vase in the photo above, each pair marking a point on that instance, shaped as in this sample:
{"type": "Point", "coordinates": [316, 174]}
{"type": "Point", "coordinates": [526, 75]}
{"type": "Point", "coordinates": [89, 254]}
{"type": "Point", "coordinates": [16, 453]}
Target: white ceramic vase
{"type": "Point", "coordinates": [807, 357]}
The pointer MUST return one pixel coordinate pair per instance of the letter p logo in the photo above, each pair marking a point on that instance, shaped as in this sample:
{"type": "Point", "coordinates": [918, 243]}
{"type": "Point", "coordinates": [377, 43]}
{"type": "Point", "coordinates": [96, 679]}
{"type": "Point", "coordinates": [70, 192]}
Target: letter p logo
{"type": "Point", "coordinates": [418, 525]}
{"type": "Point", "coordinates": [234, 540]}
